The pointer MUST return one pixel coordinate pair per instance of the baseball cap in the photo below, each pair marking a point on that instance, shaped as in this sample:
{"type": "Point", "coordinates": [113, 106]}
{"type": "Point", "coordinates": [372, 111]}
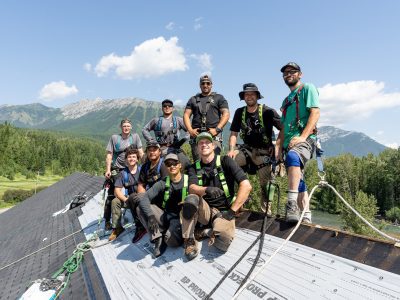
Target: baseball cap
{"type": "Point", "coordinates": [205, 77]}
{"type": "Point", "coordinates": [291, 64]}
{"type": "Point", "coordinates": [172, 156]}
{"type": "Point", "coordinates": [204, 135]}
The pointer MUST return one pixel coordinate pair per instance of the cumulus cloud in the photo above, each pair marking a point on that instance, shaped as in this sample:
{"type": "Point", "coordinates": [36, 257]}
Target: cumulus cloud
{"type": "Point", "coordinates": [392, 145]}
{"type": "Point", "coordinates": [87, 67]}
{"type": "Point", "coordinates": [354, 100]}
{"type": "Point", "coordinates": [203, 60]}
{"type": "Point", "coordinates": [57, 90]}
{"type": "Point", "coordinates": [152, 58]}
{"type": "Point", "coordinates": [170, 26]}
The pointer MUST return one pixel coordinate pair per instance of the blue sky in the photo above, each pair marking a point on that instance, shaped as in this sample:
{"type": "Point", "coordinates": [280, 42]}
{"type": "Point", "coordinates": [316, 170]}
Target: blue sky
{"type": "Point", "coordinates": [59, 52]}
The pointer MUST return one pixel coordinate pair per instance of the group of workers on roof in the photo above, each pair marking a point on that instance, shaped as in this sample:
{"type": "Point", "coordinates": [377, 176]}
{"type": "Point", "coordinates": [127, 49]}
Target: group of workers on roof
{"type": "Point", "coordinates": [178, 202]}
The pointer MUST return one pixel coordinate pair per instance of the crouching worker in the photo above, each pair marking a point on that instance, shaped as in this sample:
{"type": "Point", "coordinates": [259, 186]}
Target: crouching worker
{"type": "Point", "coordinates": [161, 218]}
{"type": "Point", "coordinates": [212, 200]}
{"type": "Point", "coordinates": [128, 179]}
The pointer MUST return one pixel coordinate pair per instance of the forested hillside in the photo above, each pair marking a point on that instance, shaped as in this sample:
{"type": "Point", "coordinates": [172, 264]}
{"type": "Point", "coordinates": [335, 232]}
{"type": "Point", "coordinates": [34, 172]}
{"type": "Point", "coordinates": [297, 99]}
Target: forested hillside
{"type": "Point", "coordinates": [28, 151]}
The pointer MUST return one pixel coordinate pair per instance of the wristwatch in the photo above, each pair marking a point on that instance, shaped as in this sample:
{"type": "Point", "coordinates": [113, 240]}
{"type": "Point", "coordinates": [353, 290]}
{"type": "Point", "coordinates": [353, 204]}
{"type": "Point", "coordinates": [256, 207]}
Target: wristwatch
{"type": "Point", "coordinates": [218, 130]}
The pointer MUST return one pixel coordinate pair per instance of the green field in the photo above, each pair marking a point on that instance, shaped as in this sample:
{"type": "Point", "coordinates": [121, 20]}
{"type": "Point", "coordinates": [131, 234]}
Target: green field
{"type": "Point", "coordinates": [20, 182]}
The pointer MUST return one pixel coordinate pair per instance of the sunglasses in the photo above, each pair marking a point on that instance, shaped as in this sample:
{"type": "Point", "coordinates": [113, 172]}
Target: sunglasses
{"type": "Point", "coordinates": [291, 72]}
{"type": "Point", "coordinates": [206, 83]}
{"type": "Point", "coordinates": [167, 105]}
{"type": "Point", "coordinates": [173, 163]}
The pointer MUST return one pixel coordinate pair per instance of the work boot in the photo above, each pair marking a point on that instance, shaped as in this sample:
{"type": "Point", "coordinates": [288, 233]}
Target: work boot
{"type": "Point", "coordinates": [307, 217]}
{"type": "Point", "coordinates": [292, 212]}
{"type": "Point", "coordinates": [107, 226]}
{"type": "Point", "coordinates": [115, 233]}
{"type": "Point", "coordinates": [191, 250]}
{"type": "Point", "coordinates": [159, 247]}
{"type": "Point", "coordinates": [139, 233]}
{"type": "Point", "coordinates": [200, 234]}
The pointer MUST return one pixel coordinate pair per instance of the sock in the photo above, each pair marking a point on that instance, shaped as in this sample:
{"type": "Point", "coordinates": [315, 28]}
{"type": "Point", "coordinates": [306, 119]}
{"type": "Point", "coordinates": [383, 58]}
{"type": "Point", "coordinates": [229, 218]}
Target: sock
{"type": "Point", "coordinates": [292, 196]}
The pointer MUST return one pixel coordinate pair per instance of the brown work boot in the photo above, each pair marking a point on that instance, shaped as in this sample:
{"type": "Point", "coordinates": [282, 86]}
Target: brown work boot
{"type": "Point", "coordinates": [200, 234]}
{"type": "Point", "coordinates": [191, 250]}
{"type": "Point", "coordinates": [115, 233]}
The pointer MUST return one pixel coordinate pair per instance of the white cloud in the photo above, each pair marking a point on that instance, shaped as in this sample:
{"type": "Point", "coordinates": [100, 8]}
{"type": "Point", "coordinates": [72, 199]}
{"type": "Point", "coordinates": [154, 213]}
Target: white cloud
{"type": "Point", "coordinates": [57, 90]}
{"type": "Point", "coordinates": [170, 26]}
{"type": "Point", "coordinates": [203, 60]}
{"type": "Point", "coordinates": [178, 102]}
{"type": "Point", "coordinates": [87, 67]}
{"type": "Point", "coordinates": [354, 100]}
{"type": "Point", "coordinates": [380, 132]}
{"type": "Point", "coordinates": [197, 24]}
{"type": "Point", "coordinates": [152, 58]}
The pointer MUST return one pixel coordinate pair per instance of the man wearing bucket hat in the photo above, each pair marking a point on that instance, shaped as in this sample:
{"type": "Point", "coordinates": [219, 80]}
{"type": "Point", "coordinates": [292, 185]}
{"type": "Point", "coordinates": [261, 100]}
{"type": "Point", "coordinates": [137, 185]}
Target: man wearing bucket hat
{"type": "Point", "coordinates": [300, 114]}
{"type": "Point", "coordinates": [210, 113]}
{"type": "Point", "coordinates": [212, 201]}
{"type": "Point", "coordinates": [255, 123]}
{"type": "Point", "coordinates": [167, 132]}
{"type": "Point", "coordinates": [161, 218]}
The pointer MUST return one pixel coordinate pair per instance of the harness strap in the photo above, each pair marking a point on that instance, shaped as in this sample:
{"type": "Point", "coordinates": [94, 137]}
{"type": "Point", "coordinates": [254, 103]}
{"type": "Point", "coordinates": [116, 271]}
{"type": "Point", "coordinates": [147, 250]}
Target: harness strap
{"type": "Point", "coordinates": [244, 126]}
{"type": "Point", "coordinates": [117, 151]}
{"type": "Point", "coordinates": [204, 113]}
{"type": "Point", "coordinates": [167, 188]}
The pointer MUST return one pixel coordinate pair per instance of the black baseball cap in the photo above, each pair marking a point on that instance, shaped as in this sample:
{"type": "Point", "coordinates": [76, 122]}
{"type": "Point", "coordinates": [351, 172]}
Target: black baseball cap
{"type": "Point", "coordinates": [291, 64]}
{"type": "Point", "coordinates": [167, 101]}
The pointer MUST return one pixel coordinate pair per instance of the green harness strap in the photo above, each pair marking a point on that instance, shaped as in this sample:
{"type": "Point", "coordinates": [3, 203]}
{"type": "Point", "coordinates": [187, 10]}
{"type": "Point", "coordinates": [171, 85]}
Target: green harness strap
{"type": "Point", "coordinates": [220, 175]}
{"type": "Point", "coordinates": [168, 185]}
{"type": "Point", "coordinates": [260, 118]}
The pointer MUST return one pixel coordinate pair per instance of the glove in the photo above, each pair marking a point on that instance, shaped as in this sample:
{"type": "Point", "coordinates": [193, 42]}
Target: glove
{"type": "Point", "coordinates": [228, 214]}
{"type": "Point", "coordinates": [152, 224]}
{"type": "Point", "coordinates": [214, 192]}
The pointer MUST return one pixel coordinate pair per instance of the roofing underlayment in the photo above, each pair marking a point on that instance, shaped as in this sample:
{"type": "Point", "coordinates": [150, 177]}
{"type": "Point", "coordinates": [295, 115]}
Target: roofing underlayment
{"type": "Point", "coordinates": [317, 263]}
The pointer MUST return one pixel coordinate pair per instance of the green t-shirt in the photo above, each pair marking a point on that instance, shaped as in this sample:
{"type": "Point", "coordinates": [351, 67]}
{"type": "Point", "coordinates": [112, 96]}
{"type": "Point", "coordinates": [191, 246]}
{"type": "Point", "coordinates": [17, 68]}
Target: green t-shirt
{"type": "Point", "coordinates": [308, 98]}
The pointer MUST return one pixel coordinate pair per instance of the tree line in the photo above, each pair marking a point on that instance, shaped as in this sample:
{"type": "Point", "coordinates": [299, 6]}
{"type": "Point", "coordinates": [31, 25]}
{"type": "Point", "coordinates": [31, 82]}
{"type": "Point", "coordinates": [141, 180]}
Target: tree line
{"type": "Point", "coordinates": [28, 151]}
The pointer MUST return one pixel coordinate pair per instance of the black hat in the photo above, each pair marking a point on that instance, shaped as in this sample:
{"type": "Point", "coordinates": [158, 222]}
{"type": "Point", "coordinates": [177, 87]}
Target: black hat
{"type": "Point", "coordinates": [249, 87]}
{"type": "Point", "coordinates": [291, 64]}
{"type": "Point", "coordinates": [153, 144]}
{"type": "Point", "coordinates": [205, 77]}
{"type": "Point", "coordinates": [167, 101]}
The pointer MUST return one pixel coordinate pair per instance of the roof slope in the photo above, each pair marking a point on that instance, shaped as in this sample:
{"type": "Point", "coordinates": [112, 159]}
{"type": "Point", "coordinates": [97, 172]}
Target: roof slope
{"type": "Point", "coordinates": [30, 226]}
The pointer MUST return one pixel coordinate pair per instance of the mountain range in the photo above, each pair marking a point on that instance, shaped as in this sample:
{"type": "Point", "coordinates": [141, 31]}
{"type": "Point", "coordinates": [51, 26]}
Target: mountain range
{"type": "Point", "coordinates": [100, 118]}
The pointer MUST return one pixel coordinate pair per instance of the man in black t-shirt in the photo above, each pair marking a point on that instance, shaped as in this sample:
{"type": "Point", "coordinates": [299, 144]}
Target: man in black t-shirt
{"type": "Point", "coordinates": [161, 219]}
{"type": "Point", "coordinates": [255, 123]}
{"type": "Point", "coordinates": [151, 172]}
{"type": "Point", "coordinates": [210, 113]}
{"type": "Point", "coordinates": [212, 198]}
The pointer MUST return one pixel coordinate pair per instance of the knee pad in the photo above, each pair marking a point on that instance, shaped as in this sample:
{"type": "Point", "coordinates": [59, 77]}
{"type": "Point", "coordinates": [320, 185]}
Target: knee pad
{"type": "Point", "coordinates": [190, 206]}
{"type": "Point", "coordinates": [302, 186]}
{"type": "Point", "coordinates": [292, 159]}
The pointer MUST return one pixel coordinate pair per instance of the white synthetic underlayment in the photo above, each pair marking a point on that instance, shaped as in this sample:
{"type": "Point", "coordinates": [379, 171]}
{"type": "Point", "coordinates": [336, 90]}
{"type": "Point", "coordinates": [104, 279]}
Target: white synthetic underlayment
{"type": "Point", "coordinates": [297, 272]}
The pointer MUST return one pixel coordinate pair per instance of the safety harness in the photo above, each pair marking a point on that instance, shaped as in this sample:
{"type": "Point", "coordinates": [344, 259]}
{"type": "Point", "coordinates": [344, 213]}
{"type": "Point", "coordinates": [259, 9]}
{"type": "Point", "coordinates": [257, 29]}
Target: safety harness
{"type": "Point", "coordinates": [203, 113]}
{"type": "Point", "coordinates": [167, 188]}
{"type": "Point", "coordinates": [220, 172]}
{"type": "Point", "coordinates": [150, 180]}
{"type": "Point", "coordinates": [245, 129]}
{"type": "Point", "coordinates": [117, 147]}
{"type": "Point", "coordinates": [161, 137]}
{"type": "Point", "coordinates": [129, 188]}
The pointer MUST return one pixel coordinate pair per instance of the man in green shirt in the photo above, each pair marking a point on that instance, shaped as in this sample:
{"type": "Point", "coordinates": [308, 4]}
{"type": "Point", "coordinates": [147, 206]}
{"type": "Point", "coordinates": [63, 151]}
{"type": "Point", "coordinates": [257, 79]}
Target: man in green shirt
{"type": "Point", "coordinates": [300, 114]}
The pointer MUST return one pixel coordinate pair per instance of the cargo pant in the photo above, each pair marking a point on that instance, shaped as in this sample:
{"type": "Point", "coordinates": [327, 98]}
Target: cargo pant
{"type": "Point", "coordinates": [116, 212]}
{"type": "Point", "coordinates": [223, 230]}
{"type": "Point", "coordinates": [169, 224]}
{"type": "Point", "coordinates": [258, 156]}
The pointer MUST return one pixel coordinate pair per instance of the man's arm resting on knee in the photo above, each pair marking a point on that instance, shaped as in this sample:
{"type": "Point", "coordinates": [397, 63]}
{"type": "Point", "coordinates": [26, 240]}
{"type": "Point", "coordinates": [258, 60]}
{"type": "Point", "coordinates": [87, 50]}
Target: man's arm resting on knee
{"type": "Point", "coordinates": [119, 194]}
{"type": "Point", "coordinates": [232, 143]}
{"type": "Point", "coordinates": [197, 190]}
{"type": "Point", "coordinates": [242, 195]}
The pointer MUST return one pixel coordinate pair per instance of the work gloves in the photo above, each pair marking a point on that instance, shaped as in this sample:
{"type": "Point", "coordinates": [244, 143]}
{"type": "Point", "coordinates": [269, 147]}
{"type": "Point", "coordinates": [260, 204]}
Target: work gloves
{"type": "Point", "coordinates": [228, 214]}
{"type": "Point", "coordinates": [214, 192]}
{"type": "Point", "coordinates": [152, 224]}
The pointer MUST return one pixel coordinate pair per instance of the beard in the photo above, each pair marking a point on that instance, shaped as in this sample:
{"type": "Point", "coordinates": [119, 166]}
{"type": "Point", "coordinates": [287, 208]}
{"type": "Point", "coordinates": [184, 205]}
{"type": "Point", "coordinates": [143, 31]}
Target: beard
{"type": "Point", "coordinates": [292, 82]}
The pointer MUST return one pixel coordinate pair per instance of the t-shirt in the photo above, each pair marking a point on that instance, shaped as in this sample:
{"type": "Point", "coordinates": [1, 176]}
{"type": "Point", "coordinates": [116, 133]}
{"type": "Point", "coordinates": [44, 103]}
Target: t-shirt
{"type": "Point", "coordinates": [308, 98]}
{"type": "Point", "coordinates": [254, 135]}
{"type": "Point", "coordinates": [213, 114]}
{"type": "Point", "coordinates": [132, 183]}
{"type": "Point", "coordinates": [155, 195]}
{"type": "Point", "coordinates": [117, 145]}
{"type": "Point", "coordinates": [233, 173]}
{"type": "Point", "coordinates": [149, 176]}
{"type": "Point", "coordinates": [167, 135]}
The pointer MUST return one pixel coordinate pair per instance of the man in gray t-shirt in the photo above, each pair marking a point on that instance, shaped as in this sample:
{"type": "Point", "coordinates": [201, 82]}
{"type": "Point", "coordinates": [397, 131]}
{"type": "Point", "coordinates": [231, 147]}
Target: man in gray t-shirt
{"type": "Point", "coordinates": [115, 160]}
{"type": "Point", "coordinates": [166, 131]}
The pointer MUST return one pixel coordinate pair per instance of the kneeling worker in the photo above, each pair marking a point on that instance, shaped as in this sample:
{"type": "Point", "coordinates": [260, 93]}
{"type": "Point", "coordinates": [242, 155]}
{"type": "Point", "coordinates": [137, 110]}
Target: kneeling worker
{"type": "Point", "coordinates": [161, 219]}
{"type": "Point", "coordinates": [212, 199]}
